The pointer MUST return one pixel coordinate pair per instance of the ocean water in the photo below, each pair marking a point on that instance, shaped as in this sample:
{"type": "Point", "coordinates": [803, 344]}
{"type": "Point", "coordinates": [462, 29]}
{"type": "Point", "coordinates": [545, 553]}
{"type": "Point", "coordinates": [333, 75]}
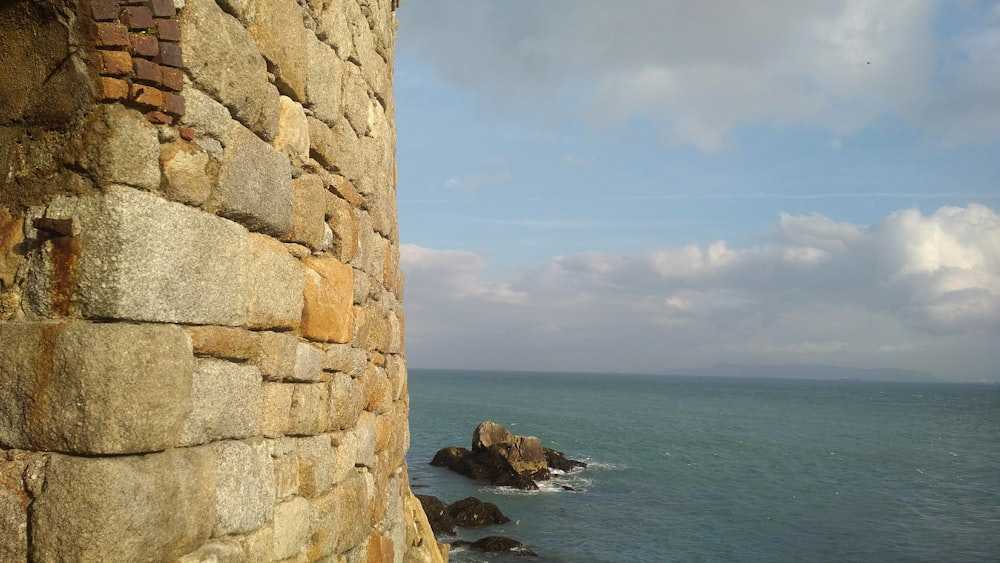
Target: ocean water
{"type": "Point", "coordinates": [718, 469]}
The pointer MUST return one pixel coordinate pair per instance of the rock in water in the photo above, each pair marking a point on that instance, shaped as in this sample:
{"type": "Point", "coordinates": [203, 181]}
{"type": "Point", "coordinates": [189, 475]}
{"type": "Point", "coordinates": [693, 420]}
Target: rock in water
{"type": "Point", "coordinates": [496, 544]}
{"type": "Point", "coordinates": [487, 434]}
{"type": "Point", "coordinates": [471, 511]}
{"type": "Point", "coordinates": [503, 459]}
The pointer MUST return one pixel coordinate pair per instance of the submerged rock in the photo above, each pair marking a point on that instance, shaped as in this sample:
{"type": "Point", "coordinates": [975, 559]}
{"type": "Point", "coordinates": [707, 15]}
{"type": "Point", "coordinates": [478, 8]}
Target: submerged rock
{"type": "Point", "coordinates": [503, 459]}
{"type": "Point", "coordinates": [468, 512]}
{"type": "Point", "coordinates": [496, 544]}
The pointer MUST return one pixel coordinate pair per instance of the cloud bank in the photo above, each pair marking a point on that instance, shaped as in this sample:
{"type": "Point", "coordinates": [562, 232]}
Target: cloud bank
{"type": "Point", "coordinates": [699, 70]}
{"type": "Point", "coordinates": [913, 290]}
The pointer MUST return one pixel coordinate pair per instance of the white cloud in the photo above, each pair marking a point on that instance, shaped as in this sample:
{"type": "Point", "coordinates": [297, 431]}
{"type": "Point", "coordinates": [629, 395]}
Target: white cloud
{"type": "Point", "coordinates": [914, 285]}
{"type": "Point", "coordinates": [477, 181]}
{"type": "Point", "coordinates": [702, 69]}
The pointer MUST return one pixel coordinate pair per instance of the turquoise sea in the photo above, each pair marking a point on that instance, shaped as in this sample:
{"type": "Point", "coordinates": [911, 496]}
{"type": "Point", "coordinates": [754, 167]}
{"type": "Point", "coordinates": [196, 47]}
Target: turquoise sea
{"type": "Point", "coordinates": [721, 469]}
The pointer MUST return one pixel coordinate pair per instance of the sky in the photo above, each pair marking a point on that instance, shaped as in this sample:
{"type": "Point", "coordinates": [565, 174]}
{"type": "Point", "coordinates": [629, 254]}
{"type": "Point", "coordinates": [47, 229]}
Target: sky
{"type": "Point", "coordinates": [647, 186]}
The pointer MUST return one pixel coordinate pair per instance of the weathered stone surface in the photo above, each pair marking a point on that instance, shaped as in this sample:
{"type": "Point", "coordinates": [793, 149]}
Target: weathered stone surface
{"type": "Point", "coordinates": [205, 115]}
{"type": "Point", "coordinates": [350, 525]}
{"type": "Point", "coordinates": [344, 358]}
{"type": "Point", "coordinates": [216, 552]}
{"type": "Point", "coordinates": [421, 547]}
{"type": "Point", "coordinates": [43, 72]}
{"type": "Point", "coordinates": [347, 400]}
{"type": "Point", "coordinates": [343, 222]}
{"type": "Point", "coordinates": [11, 252]}
{"type": "Point", "coordinates": [94, 388]}
{"type": "Point", "coordinates": [255, 184]}
{"type": "Point", "coordinates": [293, 131]}
{"type": "Point", "coordinates": [308, 413]}
{"type": "Point", "coordinates": [226, 399]}
{"type": "Point", "coordinates": [337, 147]}
{"type": "Point", "coordinates": [15, 498]}
{"type": "Point", "coordinates": [376, 389]}
{"type": "Point", "coordinates": [277, 404]}
{"type": "Point", "coordinates": [244, 494]}
{"type": "Point", "coordinates": [291, 527]}
{"type": "Point", "coordinates": [224, 342]}
{"type": "Point", "coordinates": [124, 148]}
{"type": "Point", "coordinates": [286, 467]}
{"type": "Point", "coordinates": [327, 314]}
{"type": "Point", "coordinates": [276, 26]}
{"type": "Point", "coordinates": [346, 446]}
{"type": "Point", "coordinates": [138, 257]}
{"type": "Point", "coordinates": [324, 88]}
{"type": "Point", "coordinates": [332, 27]}
{"type": "Point", "coordinates": [308, 224]}
{"type": "Point", "coordinates": [137, 508]}
{"type": "Point", "coordinates": [366, 431]}
{"type": "Point", "coordinates": [308, 363]}
{"type": "Point", "coordinates": [185, 173]}
{"type": "Point", "coordinates": [278, 355]}
{"type": "Point", "coordinates": [224, 62]}
{"type": "Point", "coordinates": [277, 281]}
{"type": "Point", "coordinates": [358, 108]}
{"type": "Point", "coordinates": [316, 464]}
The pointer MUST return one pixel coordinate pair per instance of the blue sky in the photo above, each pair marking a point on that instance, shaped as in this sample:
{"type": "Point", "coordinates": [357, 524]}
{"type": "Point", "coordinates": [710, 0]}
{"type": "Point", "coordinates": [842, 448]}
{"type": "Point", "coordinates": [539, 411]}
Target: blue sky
{"type": "Point", "coordinates": [650, 185]}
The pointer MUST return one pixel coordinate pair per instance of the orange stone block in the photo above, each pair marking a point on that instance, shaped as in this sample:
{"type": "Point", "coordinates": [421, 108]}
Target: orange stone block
{"type": "Point", "coordinates": [327, 312]}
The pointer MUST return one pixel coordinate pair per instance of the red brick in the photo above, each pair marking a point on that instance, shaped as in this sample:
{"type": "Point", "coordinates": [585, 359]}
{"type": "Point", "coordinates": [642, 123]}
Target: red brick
{"type": "Point", "coordinates": [170, 55]}
{"type": "Point", "coordinates": [114, 89]}
{"type": "Point", "coordinates": [146, 96]}
{"type": "Point", "coordinates": [104, 10]}
{"type": "Point", "coordinates": [168, 30]}
{"type": "Point", "coordinates": [172, 78]}
{"type": "Point", "coordinates": [114, 63]}
{"type": "Point", "coordinates": [159, 118]}
{"type": "Point", "coordinates": [186, 133]}
{"type": "Point", "coordinates": [111, 34]}
{"type": "Point", "coordinates": [173, 104]}
{"type": "Point", "coordinates": [163, 8]}
{"type": "Point", "coordinates": [144, 45]}
{"type": "Point", "coordinates": [137, 17]}
{"type": "Point", "coordinates": [146, 71]}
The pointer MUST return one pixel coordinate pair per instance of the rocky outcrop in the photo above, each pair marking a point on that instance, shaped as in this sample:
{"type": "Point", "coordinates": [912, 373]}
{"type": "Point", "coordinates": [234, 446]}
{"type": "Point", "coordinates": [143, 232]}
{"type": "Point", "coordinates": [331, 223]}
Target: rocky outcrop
{"type": "Point", "coordinates": [466, 513]}
{"type": "Point", "coordinates": [499, 544]}
{"type": "Point", "coordinates": [503, 459]}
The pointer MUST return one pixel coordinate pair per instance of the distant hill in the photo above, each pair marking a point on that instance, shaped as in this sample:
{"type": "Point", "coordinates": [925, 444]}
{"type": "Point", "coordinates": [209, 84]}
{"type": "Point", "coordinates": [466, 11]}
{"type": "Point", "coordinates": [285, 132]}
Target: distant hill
{"type": "Point", "coordinates": [808, 371]}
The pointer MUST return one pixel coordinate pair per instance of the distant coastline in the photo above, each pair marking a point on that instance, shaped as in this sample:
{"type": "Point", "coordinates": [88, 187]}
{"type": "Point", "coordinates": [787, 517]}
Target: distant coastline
{"type": "Point", "coordinates": [805, 372]}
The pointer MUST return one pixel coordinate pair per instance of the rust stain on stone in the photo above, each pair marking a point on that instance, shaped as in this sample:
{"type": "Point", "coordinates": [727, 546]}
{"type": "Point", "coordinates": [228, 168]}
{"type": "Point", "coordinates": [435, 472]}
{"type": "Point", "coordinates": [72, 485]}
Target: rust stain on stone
{"type": "Point", "coordinates": [65, 255]}
{"type": "Point", "coordinates": [44, 372]}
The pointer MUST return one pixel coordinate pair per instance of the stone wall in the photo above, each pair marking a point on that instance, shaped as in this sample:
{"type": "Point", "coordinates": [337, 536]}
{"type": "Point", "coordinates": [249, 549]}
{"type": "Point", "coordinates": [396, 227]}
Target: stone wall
{"type": "Point", "coordinates": [201, 336]}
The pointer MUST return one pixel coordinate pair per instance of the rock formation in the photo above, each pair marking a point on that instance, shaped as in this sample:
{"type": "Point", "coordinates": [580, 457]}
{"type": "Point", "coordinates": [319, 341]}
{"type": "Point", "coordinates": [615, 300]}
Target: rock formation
{"type": "Point", "coordinates": [503, 459]}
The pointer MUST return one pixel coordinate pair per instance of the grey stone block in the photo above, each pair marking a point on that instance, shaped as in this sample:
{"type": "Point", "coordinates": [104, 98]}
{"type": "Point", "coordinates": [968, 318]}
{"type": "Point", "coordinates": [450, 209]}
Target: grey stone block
{"type": "Point", "coordinates": [156, 507]}
{"type": "Point", "coordinates": [94, 388]}
{"type": "Point", "coordinates": [255, 184]}
{"type": "Point", "coordinates": [143, 258]}
{"type": "Point", "coordinates": [347, 400]}
{"type": "Point", "coordinates": [277, 357]}
{"type": "Point", "coordinates": [323, 81]}
{"type": "Point", "coordinates": [124, 148]}
{"type": "Point", "coordinates": [291, 527]}
{"type": "Point", "coordinates": [345, 358]}
{"type": "Point", "coordinates": [224, 62]}
{"type": "Point", "coordinates": [245, 490]}
{"type": "Point", "coordinates": [276, 284]}
{"type": "Point", "coordinates": [316, 464]}
{"type": "Point", "coordinates": [226, 399]}
{"type": "Point", "coordinates": [308, 363]}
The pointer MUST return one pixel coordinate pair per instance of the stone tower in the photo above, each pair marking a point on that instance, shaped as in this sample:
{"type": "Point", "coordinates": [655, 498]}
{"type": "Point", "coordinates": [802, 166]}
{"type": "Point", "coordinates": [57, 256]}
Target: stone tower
{"type": "Point", "coordinates": [201, 331]}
